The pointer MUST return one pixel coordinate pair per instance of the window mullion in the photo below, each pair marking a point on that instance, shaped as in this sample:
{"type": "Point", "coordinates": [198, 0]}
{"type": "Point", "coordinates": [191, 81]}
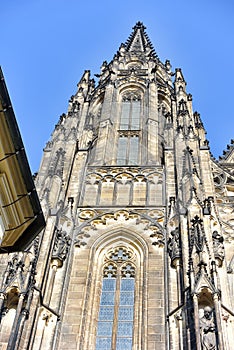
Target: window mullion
{"type": "Point", "coordinates": [116, 310]}
{"type": "Point", "coordinates": [128, 148]}
{"type": "Point", "coordinates": [130, 116]}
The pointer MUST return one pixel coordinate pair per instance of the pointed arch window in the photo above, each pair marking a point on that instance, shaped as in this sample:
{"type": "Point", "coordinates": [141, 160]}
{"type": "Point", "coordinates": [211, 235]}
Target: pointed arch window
{"type": "Point", "coordinates": [129, 129]}
{"type": "Point", "coordinates": [115, 319]}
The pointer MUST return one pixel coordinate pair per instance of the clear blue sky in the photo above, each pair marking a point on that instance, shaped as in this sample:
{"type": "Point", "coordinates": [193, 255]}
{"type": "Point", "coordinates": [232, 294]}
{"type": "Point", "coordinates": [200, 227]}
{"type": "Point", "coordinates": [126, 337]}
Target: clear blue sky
{"type": "Point", "coordinates": [47, 44]}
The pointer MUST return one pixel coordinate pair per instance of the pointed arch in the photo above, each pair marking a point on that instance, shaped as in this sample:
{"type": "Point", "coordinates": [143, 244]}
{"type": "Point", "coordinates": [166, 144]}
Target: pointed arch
{"type": "Point", "coordinates": [104, 252]}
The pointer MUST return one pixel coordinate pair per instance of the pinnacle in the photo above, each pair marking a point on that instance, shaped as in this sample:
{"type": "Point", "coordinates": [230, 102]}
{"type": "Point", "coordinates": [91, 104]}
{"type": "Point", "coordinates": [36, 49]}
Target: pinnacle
{"type": "Point", "coordinates": [139, 25]}
{"type": "Point", "coordinates": [138, 40]}
{"type": "Point", "coordinates": [228, 152]}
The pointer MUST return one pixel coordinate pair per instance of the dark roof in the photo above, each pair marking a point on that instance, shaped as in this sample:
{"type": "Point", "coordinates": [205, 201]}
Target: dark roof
{"type": "Point", "coordinates": [39, 222]}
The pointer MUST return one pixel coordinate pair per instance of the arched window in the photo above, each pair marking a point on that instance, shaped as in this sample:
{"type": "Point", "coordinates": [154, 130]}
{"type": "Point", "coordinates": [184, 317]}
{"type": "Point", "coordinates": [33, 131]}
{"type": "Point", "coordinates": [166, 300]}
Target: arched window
{"type": "Point", "coordinates": [130, 114]}
{"type": "Point", "coordinates": [116, 310]}
{"type": "Point", "coordinates": [129, 129]}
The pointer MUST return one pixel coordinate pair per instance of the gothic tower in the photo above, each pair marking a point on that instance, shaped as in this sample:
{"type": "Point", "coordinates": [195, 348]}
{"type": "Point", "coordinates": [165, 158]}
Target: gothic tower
{"type": "Point", "coordinates": [137, 253]}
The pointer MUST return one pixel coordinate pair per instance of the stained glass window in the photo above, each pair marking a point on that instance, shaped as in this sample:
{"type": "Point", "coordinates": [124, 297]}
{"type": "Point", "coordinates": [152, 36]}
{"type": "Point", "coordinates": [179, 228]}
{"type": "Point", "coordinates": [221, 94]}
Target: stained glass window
{"type": "Point", "coordinates": [116, 310]}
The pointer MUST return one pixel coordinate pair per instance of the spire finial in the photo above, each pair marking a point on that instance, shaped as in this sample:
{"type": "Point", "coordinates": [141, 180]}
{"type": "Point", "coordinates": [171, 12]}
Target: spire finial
{"type": "Point", "coordinates": [139, 25]}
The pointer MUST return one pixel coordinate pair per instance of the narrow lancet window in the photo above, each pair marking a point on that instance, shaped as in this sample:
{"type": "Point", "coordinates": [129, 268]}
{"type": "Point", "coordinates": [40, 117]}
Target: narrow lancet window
{"type": "Point", "coordinates": [129, 130]}
{"type": "Point", "coordinates": [116, 310]}
{"type": "Point", "coordinates": [130, 115]}
{"type": "Point", "coordinates": [128, 149]}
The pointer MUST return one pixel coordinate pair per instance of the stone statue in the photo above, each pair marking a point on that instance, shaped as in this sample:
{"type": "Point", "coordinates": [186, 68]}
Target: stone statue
{"type": "Point", "coordinates": [61, 246]}
{"type": "Point", "coordinates": [218, 245]}
{"type": "Point", "coordinates": [207, 330]}
{"type": "Point", "coordinates": [174, 244]}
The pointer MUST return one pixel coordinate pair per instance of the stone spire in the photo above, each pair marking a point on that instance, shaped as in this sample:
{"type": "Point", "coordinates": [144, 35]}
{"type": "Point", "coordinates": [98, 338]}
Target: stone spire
{"type": "Point", "coordinates": [138, 40]}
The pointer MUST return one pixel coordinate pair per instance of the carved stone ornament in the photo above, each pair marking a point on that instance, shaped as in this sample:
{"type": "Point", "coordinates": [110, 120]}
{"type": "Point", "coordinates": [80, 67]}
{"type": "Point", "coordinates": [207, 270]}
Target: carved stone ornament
{"type": "Point", "coordinates": [61, 245]}
{"type": "Point", "coordinates": [218, 246]}
{"type": "Point", "coordinates": [20, 271]}
{"type": "Point", "coordinates": [207, 206]}
{"type": "Point", "coordinates": [86, 138]}
{"type": "Point", "coordinates": [45, 316]}
{"type": "Point", "coordinates": [173, 245]}
{"type": "Point", "coordinates": [207, 330]}
{"type": "Point", "coordinates": [197, 234]}
{"type": "Point", "coordinates": [56, 167]}
{"type": "Point", "coordinates": [15, 265]}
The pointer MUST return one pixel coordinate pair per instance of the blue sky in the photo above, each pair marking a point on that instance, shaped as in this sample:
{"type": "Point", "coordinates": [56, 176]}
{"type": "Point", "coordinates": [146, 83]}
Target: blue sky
{"type": "Point", "coordinates": [47, 44]}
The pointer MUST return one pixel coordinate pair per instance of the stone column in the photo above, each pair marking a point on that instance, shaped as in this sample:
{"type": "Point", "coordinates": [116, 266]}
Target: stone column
{"type": "Point", "coordinates": [218, 321]}
{"type": "Point", "coordinates": [196, 321]}
{"type": "Point", "coordinates": [15, 327]}
{"type": "Point", "coordinates": [177, 264]}
{"type": "Point", "coordinates": [179, 318]}
{"type": "Point", "coordinates": [50, 285]}
{"type": "Point", "coordinates": [2, 299]}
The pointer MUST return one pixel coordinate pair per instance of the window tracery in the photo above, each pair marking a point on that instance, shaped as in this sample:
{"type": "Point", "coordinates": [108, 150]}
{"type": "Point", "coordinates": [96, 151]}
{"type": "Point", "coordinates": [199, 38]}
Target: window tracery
{"type": "Point", "coordinates": [116, 310]}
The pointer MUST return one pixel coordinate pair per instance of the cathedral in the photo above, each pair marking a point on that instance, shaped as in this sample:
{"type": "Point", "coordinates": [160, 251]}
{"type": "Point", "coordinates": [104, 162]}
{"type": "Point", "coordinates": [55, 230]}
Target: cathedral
{"type": "Point", "coordinates": [137, 252]}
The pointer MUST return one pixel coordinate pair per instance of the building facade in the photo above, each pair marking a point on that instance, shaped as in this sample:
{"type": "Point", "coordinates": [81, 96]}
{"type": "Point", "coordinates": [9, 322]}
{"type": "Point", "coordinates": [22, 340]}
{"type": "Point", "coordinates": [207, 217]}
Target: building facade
{"type": "Point", "coordinates": [137, 253]}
